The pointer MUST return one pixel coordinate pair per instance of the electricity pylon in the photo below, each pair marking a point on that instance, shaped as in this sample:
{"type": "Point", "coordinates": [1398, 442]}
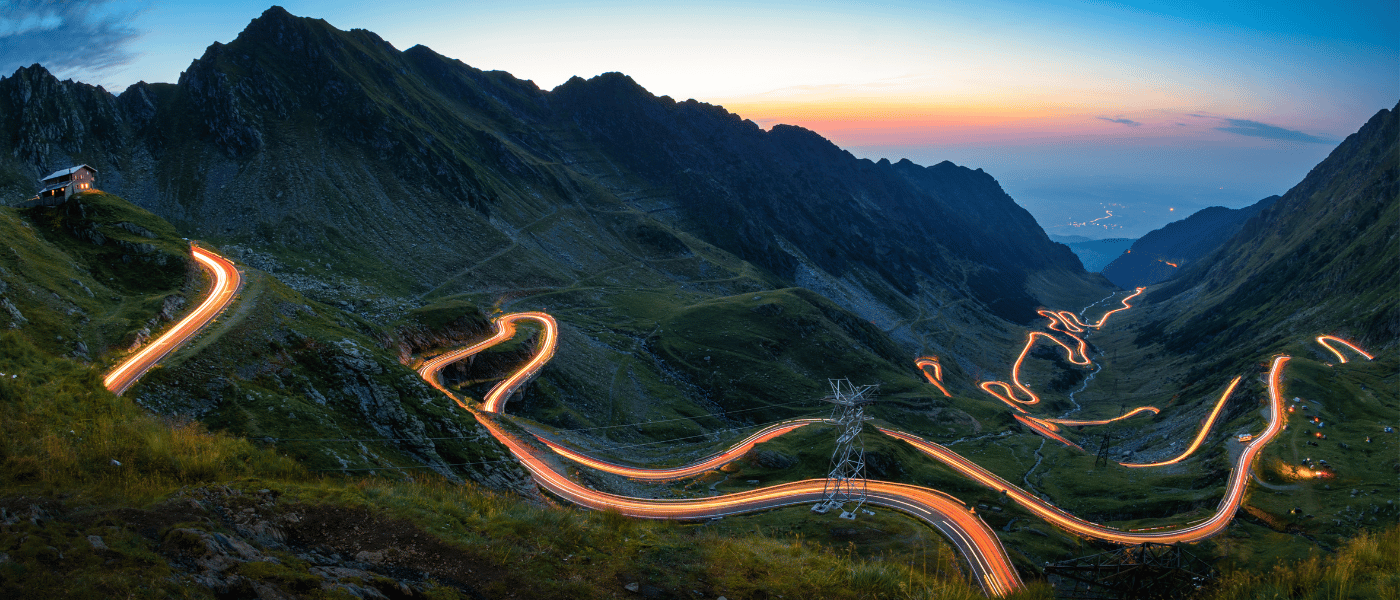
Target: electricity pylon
{"type": "Point", "coordinates": [846, 483]}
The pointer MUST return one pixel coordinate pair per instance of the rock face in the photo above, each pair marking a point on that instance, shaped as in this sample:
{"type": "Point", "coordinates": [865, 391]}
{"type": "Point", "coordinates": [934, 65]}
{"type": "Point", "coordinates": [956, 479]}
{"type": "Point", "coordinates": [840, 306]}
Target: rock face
{"type": "Point", "coordinates": [301, 136]}
{"type": "Point", "coordinates": [1161, 253]}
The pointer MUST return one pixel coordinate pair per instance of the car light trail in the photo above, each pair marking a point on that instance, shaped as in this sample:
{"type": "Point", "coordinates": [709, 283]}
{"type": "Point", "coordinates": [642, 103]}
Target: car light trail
{"type": "Point", "coordinates": [1104, 318]}
{"type": "Point", "coordinates": [706, 464]}
{"type": "Point", "coordinates": [1224, 513]}
{"type": "Point", "coordinates": [1201, 435]}
{"type": "Point", "coordinates": [1067, 323]}
{"type": "Point", "coordinates": [1323, 339]}
{"type": "Point", "coordinates": [1077, 423]}
{"type": "Point", "coordinates": [973, 538]}
{"type": "Point", "coordinates": [505, 329]}
{"type": "Point", "coordinates": [225, 287]}
{"type": "Point", "coordinates": [1046, 429]}
{"type": "Point", "coordinates": [936, 378]}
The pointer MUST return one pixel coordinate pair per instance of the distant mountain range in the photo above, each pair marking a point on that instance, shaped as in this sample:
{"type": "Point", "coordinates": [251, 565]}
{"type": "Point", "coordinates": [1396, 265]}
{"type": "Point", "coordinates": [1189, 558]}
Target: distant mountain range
{"type": "Point", "coordinates": [1161, 253]}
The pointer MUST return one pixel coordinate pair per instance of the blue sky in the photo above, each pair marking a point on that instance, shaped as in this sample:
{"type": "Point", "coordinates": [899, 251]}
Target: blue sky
{"type": "Point", "coordinates": [1148, 110]}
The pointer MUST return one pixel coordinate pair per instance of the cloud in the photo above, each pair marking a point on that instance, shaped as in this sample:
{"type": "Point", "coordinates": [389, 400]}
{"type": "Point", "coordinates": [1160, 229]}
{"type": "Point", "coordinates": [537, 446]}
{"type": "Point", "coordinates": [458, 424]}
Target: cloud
{"type": "Point", "coordinates": [1271, 132]}
{"type": "Point", "coordinates": [1128, 122]}
{"type": "Point", "coordinates": [66, 36]}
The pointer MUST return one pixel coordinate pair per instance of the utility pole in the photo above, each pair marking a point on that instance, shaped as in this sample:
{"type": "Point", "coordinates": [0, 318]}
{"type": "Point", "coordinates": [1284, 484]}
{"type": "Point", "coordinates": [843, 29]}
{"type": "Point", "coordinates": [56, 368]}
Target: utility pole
{"type": "Point", "coordinates": [846, 483]}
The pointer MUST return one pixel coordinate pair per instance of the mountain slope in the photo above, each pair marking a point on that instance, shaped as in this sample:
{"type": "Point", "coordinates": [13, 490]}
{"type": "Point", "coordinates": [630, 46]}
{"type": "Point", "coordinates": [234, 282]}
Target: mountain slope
{"type": "Point", "coordinates": [1162, 252]}
{"type": "Point", "coordinates": [1324, 258]}
{"type": "Point", "coordinates": [1096, 254]}
{"type": "Point", "coordinates": [381, 181]}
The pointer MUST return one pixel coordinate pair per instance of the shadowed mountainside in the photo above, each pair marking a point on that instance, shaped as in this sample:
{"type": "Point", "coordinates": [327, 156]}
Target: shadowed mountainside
{"type": "Point", "coordinates": [1323, 258]}
{"type": "Point", "coordinates": [1157, 256]}
{"type": "Point", "coordinates": [1096, 254]}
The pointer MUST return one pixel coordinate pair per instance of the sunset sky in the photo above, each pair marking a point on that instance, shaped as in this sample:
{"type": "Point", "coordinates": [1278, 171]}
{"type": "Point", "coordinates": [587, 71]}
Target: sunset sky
{"type": "Point", "coordinates": [1149, 110]}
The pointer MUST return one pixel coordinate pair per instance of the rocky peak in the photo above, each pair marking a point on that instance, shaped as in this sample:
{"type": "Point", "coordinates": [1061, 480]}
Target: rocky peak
{"type": "Point", "coordinates": [49, 121]}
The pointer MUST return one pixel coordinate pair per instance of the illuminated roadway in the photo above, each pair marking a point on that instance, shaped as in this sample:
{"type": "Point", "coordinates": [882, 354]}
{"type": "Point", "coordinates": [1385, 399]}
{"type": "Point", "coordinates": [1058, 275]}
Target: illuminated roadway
{"type": "Point", "coordinates": [974, 539]}
{"type": "Point", "coordinates": [1225, 511]}
{"type": "Point", "coordinates": [978, 544]}
{"type": "Point", "coordinates": [1324, 339]}
{"type": "Point", "coordinates": [936, 378]}
{"type": "Point", "coordinates": [1068, 323]}
{"type": "Point", "coordinates": [225, 287]}
{"type": "Point", "coordinates": [696, 468]}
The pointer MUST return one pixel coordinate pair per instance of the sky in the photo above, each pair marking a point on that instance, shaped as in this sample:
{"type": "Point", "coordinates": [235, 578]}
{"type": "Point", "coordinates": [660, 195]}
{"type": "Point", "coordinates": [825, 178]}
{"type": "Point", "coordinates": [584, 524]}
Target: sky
{"type": "Point", "coordinates": [1103, 119]}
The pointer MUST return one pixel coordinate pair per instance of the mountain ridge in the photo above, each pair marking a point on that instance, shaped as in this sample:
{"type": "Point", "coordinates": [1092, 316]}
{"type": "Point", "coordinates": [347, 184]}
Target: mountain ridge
{"type": "Point", "coordinates": [1160, 253]}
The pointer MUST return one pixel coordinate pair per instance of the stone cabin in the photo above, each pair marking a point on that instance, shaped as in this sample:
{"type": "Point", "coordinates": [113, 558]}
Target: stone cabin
{"type": "Point", "coordinates": [66, 182]}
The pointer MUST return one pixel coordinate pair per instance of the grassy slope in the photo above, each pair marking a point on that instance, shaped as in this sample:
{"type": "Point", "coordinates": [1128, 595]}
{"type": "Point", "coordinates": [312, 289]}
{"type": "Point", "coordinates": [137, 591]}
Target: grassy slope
{"type": "Point", "coordinates": [85, 463]}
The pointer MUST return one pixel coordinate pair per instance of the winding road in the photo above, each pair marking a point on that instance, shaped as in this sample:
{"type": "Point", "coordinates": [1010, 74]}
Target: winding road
{"type": "Point", "coordinates": [221, 294]}
{"type": "Point", "coordinates": [953, 518]}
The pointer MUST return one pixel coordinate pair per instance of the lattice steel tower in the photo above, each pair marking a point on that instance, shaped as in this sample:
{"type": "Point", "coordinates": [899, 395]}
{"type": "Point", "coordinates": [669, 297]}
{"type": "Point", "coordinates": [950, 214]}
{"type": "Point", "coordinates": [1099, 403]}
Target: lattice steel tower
{"type": "Point", "coordinates": [846, 483]}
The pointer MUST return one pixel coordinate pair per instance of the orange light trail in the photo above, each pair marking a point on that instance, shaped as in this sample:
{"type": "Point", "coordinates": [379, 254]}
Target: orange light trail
{"type": "Point", "coordinates": [1046, 429]}
{"type": "Point", "coordinates": [936, 378]}
{"type": "Point", "coordinates": [221, 294]}
{"type": "Point", "coordinates": [1105, 316]}
{"type": "Point", "coordinates": [1224, 513]}
{"type": "Point", "coordinates": [505, 329]}
{"type": "Point", "coordinates": [1323, 339]}
{"type": "Point", "coordinates": [950, 516]}
{"type": "Point", "coordinates": [1069, 324]}
{"type": "Point", "coordinates": [1076, 423]}
{"type": "Point", "coordinates": [1201, 435]}
{"type": "Point", "coordinates": [974, 539]}
{"type": "Point", "coordinates": [1076, 354]}
{"type": "Point", "coordinates": [706, 464]}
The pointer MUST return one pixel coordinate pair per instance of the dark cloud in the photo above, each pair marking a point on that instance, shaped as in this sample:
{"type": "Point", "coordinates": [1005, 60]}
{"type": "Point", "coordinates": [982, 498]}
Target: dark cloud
{"type": "Point", "coordinates": [67, 37]}
{"type": "Point", "coordinates": [1128, 122]}
{"type": "Point", "coordinates": [1266, 131]}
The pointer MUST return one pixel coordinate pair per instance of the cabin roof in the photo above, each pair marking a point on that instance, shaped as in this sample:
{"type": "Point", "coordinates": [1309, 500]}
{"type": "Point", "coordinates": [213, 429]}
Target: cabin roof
{"type": "Point", "coordinates": [56, 186]}
{"type": "Point", "coordinates": [68, 171]}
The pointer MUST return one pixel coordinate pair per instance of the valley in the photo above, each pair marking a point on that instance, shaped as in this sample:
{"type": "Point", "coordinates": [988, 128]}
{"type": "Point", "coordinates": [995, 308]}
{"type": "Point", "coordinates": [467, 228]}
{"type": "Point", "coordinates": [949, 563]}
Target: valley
{"type": "Point", "coordinates": [448, 334]}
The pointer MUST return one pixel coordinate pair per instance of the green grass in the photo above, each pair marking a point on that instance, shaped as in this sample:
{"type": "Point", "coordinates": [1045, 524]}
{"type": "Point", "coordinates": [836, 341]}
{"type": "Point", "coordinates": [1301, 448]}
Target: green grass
{"type": "Point", "coordinates": [1365, 567]}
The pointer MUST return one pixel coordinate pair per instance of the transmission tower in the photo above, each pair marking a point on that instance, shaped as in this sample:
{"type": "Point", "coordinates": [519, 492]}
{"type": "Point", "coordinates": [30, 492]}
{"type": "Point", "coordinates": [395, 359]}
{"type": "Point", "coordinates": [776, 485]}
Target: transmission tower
{"type": "Point", "coordinates": [846, 483]}
{"type": "Point", "coordinates": [1102, 456]}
